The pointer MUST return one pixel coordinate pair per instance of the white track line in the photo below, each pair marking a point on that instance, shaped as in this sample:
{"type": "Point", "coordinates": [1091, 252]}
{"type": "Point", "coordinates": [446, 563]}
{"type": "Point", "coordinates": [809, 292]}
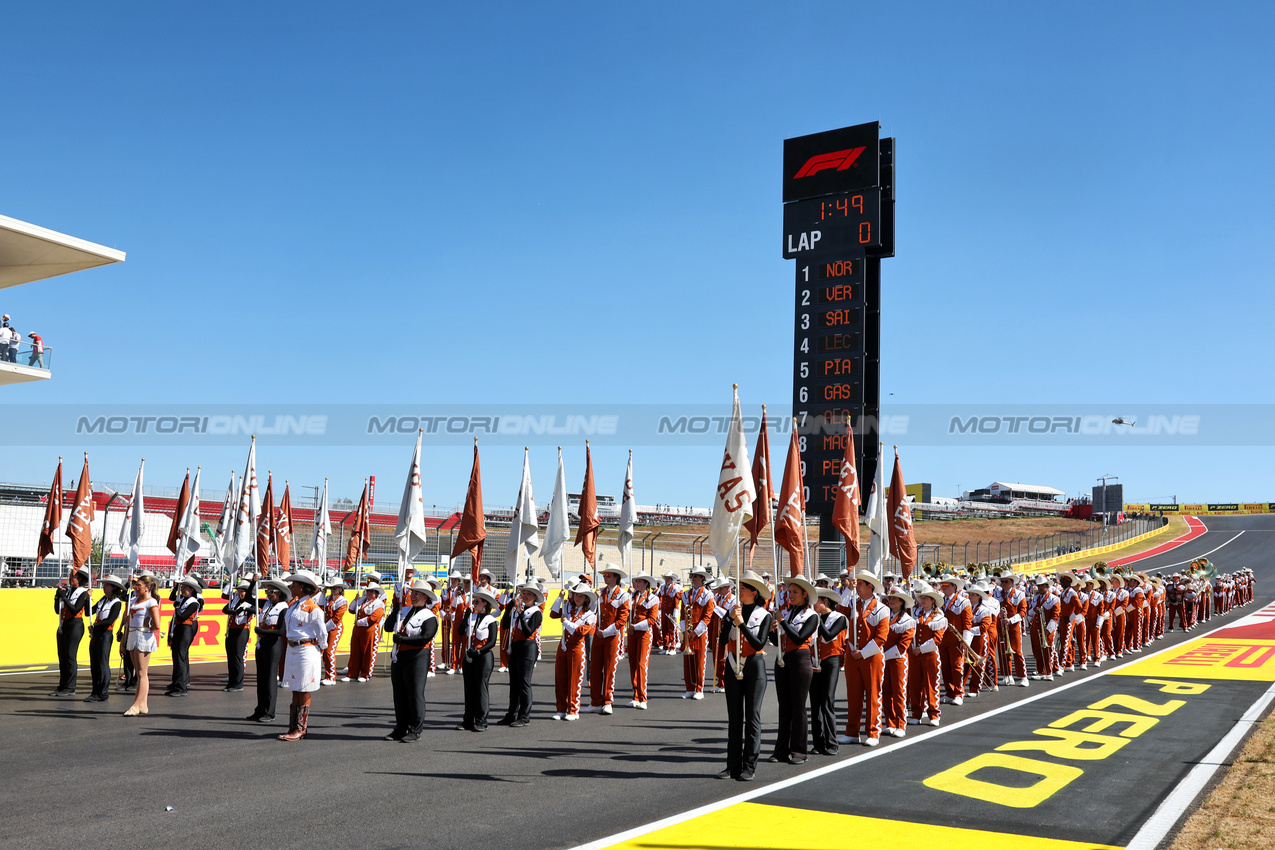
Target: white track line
{"type": "Point", "coordinates": [1197, 557]}
{"type": "Point", "coordinates": [699, 811]}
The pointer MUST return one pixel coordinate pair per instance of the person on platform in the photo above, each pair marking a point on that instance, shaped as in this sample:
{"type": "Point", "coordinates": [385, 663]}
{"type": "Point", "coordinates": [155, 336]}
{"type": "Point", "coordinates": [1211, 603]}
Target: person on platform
{"type": "Point", "coordinates": [334, 612]}
{"type": "Point", "coordinates": [70, 602]}
{"type": "Point", "coordinates": [142, 640]}
{"type": "Point", "coordinates": [409, 661]}
{"type": "Point", "coordinates": [643, 623]}
{"type": "Point", "coordinates": [697, 612]}
{"type": "Point", "coordinates": [480, 632]}
{"type": "Point", "coordinates": [525, 618]}
{"type": "Point", "coordinates": [823, 684]}
{"type": "Point", "coordinates": [865, 662]}
{"type": "Point", "coordinates": [369, 610]}
{"type": "Point", "coordinates": [613, 617]}
{"type": "Point", "coordinates": [240, 611]}
{"type": "Point", "coordinates": [307, 635]}
{"type": "Point", "coordinates": [181, 634]}
{"type": "Point", "coordinates": [575, 608]}
{"type": "Point", "coordinates": [270, 636]}
{"type": "Point", "coordinates": [924, 666]}
{"type": "Point", "coordinates": [105, 614]}
{"type": "Point", "coordinates": [745, 693]}
{"type": "Point", "coordinates": [794, 634]}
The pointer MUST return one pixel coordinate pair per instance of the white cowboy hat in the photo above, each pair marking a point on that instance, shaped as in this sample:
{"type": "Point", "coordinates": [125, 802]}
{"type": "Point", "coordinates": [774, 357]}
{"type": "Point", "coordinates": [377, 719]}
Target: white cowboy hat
{"type": "Point", "coordinates": [805, 584]}
{"type": "Point", "coordinates": [981, 588]}
{"type": "Point", "coordinates": [420, 585]}
{"type": "Point", "coordinates": [958, 583]}
{"type": "Point", "coordinates": [533, 589]}
{"type": "Point", "coordinates": [870, 579]}
{"type": "Point", "coordinates": [757, 583]}
{"type": "Point", "coordinates": [900, 593]}
{"type": "Point", "coordinates": [114, 581]}
{"type": "Point", "coordinates": [936, 595]}
{"type": "Point", "coordinates": [585, 590]}
{"type": "Point", "coordinates": [191, 582]}
{"type": "Point", "coordinates": [650, 580]}
{"type": "Point", "coordinates": [278, 587]}
{"type": "Point", "coordinates": [613, 569]}
{"type": "Point", "coordinates": [304, 577]}
{"type": "Point", "coordinates": [487, 597]}
{"type": "Point", "coordinates": [830, 594]}
{"type": "Point", "coordinates": [701, 572]}
{"type": "Point", "coordinates": [455, 574]}
{"type": "Point", "coordinates": [335, 583]}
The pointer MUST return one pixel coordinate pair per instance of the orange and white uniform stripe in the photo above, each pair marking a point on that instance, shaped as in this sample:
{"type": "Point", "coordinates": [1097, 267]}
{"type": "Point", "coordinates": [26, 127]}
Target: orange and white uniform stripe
{"type": "Point", "coordinates": [334, 619]}
{"type": "Point", "coordinates": [666, 626]}
{"type": "Point", "coordinates": [959, 615]}
{"type": "Point", "coordinates": [697, 608]}
{"type": "Point", "coordinates": [645, 610]}
{"type": "Point", "coordinates": [569, 664]}
{"type": "Point", "coordinates": [613, 616]}
{"type": "Point", "coordinates": [368, 613]}
{"type": "Point", "coordinates": [865, 675]}
{"type": "Point", "coordinates": [723, 601]}
{"type": "Point", "coordinates": [923, 672]}
{"type": "Point", "coordinates": [895, 682]}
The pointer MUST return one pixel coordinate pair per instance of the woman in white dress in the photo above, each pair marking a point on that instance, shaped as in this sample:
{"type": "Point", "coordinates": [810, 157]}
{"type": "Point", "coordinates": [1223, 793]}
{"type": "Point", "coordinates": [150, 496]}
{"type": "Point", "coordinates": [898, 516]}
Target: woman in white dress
{"type": "Point", "coordinates": [307, 637]}
{"type": "Point", "coordinates": [142, 640]}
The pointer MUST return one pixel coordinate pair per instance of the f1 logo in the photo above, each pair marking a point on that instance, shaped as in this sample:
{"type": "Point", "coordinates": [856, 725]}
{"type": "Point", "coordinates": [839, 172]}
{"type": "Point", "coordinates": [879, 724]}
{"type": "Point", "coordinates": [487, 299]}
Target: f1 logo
{"type": "Point", "coordinates": [840, 160]}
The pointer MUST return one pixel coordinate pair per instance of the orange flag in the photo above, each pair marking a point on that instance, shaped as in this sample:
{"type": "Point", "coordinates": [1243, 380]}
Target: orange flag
{"type": "Point", "coordinates": [359, 534]}
{"type": "Point", "coordinates": [52, 517]}
{"type": "Point", "coordinates": [472, 533]}
{"type": "Point", "coordinates": [845, 508]}
{"type": "Point", "coordinates": [790, 525]}
{"type": "Point", "coordinates": [765, 489]}
{"type": "Point", "coordinates": [587, 532]}
{"type": "Point", "coordinates": [175, 530]}
{"type": "Point", "coordinates": [283, 531]}
{"type": "Point", "coordinates": [265, 527]}
{"type": "Point", "coordinates": [902, 538]}
{"type": "Point", "coordinates": [79, 527]}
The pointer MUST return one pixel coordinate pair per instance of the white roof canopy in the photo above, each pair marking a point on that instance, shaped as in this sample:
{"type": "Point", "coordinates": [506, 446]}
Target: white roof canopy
{"type": "Point", "coordinates": [28, 253]}
{"type": "Point", "coordinates": [1026, 488]}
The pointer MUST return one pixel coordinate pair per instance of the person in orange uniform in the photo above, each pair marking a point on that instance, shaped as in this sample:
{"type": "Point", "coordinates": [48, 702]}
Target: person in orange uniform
{"type": "Point", "coordinates": [981, 635]}
{"type": "Point", "coordinates": [1096, 604]}
{"type": "Point", "coordinates": [670, 601]}
{"type": "Point", "coordinates": [1133, 617]}
{"type": "Point", "coordinates": [959, 616]}
{"type": "Point", "coordinates": [1119, 616]}
{"type": "Point", "coordinates": [1042, 625]}
{"type": "Point", "coordinates": [334, 612]}
{"type": "Point", "coordinates": [459, 611]}
{"type": "Point", "coordinates": [923, 672]}
{"type": "Point", "coordinates": [894, 688]}
{"type": "Point", "coordinates": [697, 610]}
{"type": "Point", "coordinates": [865, 662]}
{"type": "Point", "coordinates": [795, 635]}
{"type": "Point", "coordinates": [833, 627]}
{"type": "Point", "coordinates": [369, 610]}
{"type": "Point", "coordinates": [645, 612]}
{"type": "Point", "coordinates": [445, 618]}
{"type": "Point", "coordinates": [1074, 605]}
{"type": "Point", "coordinates": [575, 608]}
{"type": "Point", "coordinates": [1013, 600]}
{"type": "Point", "coordinates": [723, 602]}
{"type": "Point", "coordinates": [613, 617]}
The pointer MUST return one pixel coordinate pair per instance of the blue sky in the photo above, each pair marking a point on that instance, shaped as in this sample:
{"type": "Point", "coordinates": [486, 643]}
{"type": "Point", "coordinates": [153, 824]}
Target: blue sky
{"type": "Point", "coordinates": [567, 203]}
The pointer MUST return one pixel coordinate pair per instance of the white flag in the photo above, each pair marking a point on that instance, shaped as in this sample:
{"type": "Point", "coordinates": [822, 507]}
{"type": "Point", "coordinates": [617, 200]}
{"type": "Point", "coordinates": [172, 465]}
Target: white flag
{"type": "Point", "coordinates": [558, 530]}
{"type": "Point", "coordinates": [736, 492]}
{"type": "Point", "coordinates": [876, 520]}
{"type": "Point", "coordinates": [322, 528]}
{"type": "Point", "coordinates": [247, 512]}
{"type": "Point", "coordinates": [134, 523]}
{"type": "Point", "coordinates": [188, 541]}
{"type": "Point", "coordinates": [410, 530]}
{"type": "Point", "coordinates": [524, 533]}
{"type": "Point", "coordinates": [224, 543]}
{"type": "Point", "coordinates": [628, 517]}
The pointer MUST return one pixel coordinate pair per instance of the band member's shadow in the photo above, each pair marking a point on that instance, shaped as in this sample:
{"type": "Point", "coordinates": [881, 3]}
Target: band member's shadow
{"type": "Point", "coordinates": [477, 777]}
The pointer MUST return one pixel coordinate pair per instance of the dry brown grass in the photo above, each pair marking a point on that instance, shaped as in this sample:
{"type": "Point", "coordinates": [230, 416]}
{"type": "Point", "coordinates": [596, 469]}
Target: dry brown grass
{"type": "Point", "coordinates": [960, 531]}
{"type": "Point", "coordinates": [1240, 813]}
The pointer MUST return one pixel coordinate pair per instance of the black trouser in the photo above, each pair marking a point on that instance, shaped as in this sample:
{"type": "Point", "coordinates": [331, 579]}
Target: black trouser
{"type": "Point", "coordinates": [407, 678]}
{"type": "Point", "coordinates": [522, 662]}
{"type": "Point", "coordinates": [477, 675]}
{"type": "Point", "coordinates": [69, 636]}
{"type": "Point", "coordinates": [743, 713]}
{"type": "Point", "coordinates": [129, 673]}
{"type": "Point", "coordinates": [236, 644]}
{"type": "Point", "coordinates": [269, 648]}
{"type": "Point", "coordinates": [100, 661]}
{"type": "Point", "coordinates": [792, 684]}
{"type": "Point", "coordinates": [180, 638]}
{"type": "Point", "coordinates": [823, 697]}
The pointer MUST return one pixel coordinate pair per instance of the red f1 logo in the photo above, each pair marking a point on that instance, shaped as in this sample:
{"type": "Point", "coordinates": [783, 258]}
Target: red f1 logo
{"type": "Point", "coordinates": [840, 160]}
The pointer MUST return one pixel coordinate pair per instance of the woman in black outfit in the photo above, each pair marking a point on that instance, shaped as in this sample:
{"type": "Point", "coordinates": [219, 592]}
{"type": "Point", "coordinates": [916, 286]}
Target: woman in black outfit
{"type": "Point", "coordinates": [414, 628]}
{"type": "Point", "coordinates": [481, 628]}
{"type": "Point", "coordinates": [744, 696]}
{"type": "Point", "coordinates": [105, 614]}
{"type": "Point", "coordinates": [523, 624]}
{"type": "Point", "coordinates": [239, 611]}
{"type": "Point", "coordinates": [823, 685]}
{"type": "Point", "coordinates": [794, 633]}
{"type": "Point", "coordinates": [270, 629]}
{"type": "Point", "coordinates": [181, 632]}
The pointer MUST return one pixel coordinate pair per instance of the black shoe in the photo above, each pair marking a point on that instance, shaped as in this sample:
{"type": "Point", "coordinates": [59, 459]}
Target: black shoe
{"type": "Point", "coordinates": [265, 718]}
{"type": "Point", "coordinates": [256, 715]}
{"type": "Point", "coordinates": [233, 690]}
{"type": "Point", "coordinates": [505, 721]}
{"type": "Point", "coordinates": [774, 759]}
{"type": "Point", "coordinates": [175, 693]}
{"type": "Point", "coordinates": [726, 774]}
{"type": "Point", "coordinates": [411, 737]}
{"type": "Point", "coordinates": [62, 693]}
{"type": "Point", "coordinates": [746, 776]}
{"type": "Point", "coordinates": [461, 727]}
{"type": "Point", "coordinates": [479, 729]}
{"type": "Point", "coordinates": [793, 758]}
{"type": "Point", "coordinates": [94, 698]}
{"type": "Point", "coordinates": [396, 735]}
{"type": "Point", "coordinates": [518, 724]}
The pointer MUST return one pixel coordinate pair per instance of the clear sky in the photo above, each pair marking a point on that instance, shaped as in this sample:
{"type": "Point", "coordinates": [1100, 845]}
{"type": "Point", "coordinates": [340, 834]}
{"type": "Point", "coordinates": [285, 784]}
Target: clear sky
{"type": "Point", "coordinates": [573, 203]}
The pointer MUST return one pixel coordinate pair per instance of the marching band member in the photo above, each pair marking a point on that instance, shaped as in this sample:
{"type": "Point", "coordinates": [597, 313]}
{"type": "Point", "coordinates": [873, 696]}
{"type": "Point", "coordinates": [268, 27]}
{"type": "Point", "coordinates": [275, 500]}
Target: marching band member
{"type": "Point", "coordinates": [270, 636]}
{"type": "Point", "coordinates": [480, 634]}
{"type": "Point", "coordinates": [1157, 609]}
{"type": "Point", "coordinates": [1013, 602]}
{"type": "Point", "coordinates": [642, 625]}
{"type": "Point", "coordinates": [613, 616]}
{"type": "Point", "coordinates": [823, 684]}
{"type": "Point", "coordinates": [143, 626]}
{"type": "Point", "coordinates": [525, 618]}
{"type": "Point", "coordinates": [239, 609]}
{"type": "Point", "coordinates": [437, 608]}
{"type": "Point", "coordinates": [697, 610]}
{"type": "Point", "coordinates": [306, 632]}
{"type": "Point", "coordinates": [460, 613]}
{"type": "Point", "coordinates": [670, 594]}
{"type": "Point", "coordinates": [575, 608]}
{"type": "Point", "coordinates": [1119, 615]}
{"type": "Point", "coordinates": [1042, 617]}
{"type": "Point", "coordinates": [334, 622]}
{"type": "Point", "coordinates": [923, 677]}
{"type": "Point", "coordinates": [1133, 620]}
{"type": "Point", "coordinates": [505, 599]}
{"type": "Point", "coordinates": [1190, 601]}
{"type": "Point", "coordinates": [959, 616]}
{"type": "Point", "coordinates": [1174, 602]}
{"type": "Point", "coordinates": [445, 621]}
{"type": "Point", "coordinates": [865, 661]}
{"type": "Point", "coordinates": [409, 661]}
{"type": "Point", "coordinates": [69, 603]}
{"type": "Point", "coordinates": [369, 610]}
{"type": "Point", "coordinates": [1074, 605]}
{"type": "Point", "coordinates": [181, 633]}
{"type": "Point", "coordinates": [1094, 601]}
{"type": "Point", "coordinates": [723, 601]}
{"type": "Point", "coordinates": [744, 695]}
{"type": "Point", "coordinates": [794, 634]}
{"type": "Point", "coordinates": [105, 613]}
{"type": "Point", "coordinates": [981, 635]}
{"type": "Point", "coordinates": [898, 641]}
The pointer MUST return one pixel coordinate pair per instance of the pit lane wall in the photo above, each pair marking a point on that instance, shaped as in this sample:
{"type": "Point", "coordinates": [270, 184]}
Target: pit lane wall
{"type": "Point", "coordinates": [1210, 508]}
{"type": "Point", "coordinates": [28, 632]}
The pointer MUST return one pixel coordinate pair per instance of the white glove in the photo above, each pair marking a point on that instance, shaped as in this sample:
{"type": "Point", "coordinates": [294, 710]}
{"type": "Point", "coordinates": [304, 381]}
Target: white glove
{"type": "Point", "coordinates": [967, 634]}
{"type": "Point", "coordinates": [641, 626]}
{"type": "Point", "coordinates": [557, 605]}
{"type": "Point", "coordinates": [975, 631]}
{"type": "Point", "coordinates": [610, 631]}
{"type": "Point", "coordinates": [361, 621]}
{"type": "Point", "coordinates": [928, 647]}
{"type": "Point", "coordinates": [568, 628]}
{"type": "Point", "coordinates": [1017, 618]}
{"type": "Point", "coordinates": [1052, 626]}
{"type": "Point", "coordinates": [700, 629]}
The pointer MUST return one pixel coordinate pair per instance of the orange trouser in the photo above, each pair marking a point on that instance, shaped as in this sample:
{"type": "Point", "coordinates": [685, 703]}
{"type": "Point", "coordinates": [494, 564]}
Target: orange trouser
{"type": "Point", "coordinates": [895, 693]}
{"type": "Point", "coordinates": [693, 665]}
{"type": "Point", "coordinates": [1117, 633]}
{"type": "Point", "coordinates": [568, 674]}
{"type": "Point", "coordinates": [923, 685]}
{"type": "Point", "coordinates": [1093, 640]}
{"type": "Point", "coordinates": [975, 672]}
{"type": "Point", "coordinates": [1133, 629]}
{"type": "Point", "coordinates": [445, 629]}
{"type": "Point", "coordinates": [602, 663]}
{"type": "Point", "coordinates": [1017, 665]}
{"type": "Point", "coordinates": [1073, 643]}
{"type": "Point", "coordinates": [639, 650]}
{"type": "Point", "coordinates": [1104, 637]}
{"type": "Point", "coordinates": [329, 652]}
{"type": "Point", "coordinates": [668, 625]}
{"type": "Point", "coordinates": [864, 681]}
{"type": "Point", "coordinates": [952, 662]}
{"type": "Point", "coordinates": [1043, 649]}
{"type": "Point", "coordinates": [362, 652]}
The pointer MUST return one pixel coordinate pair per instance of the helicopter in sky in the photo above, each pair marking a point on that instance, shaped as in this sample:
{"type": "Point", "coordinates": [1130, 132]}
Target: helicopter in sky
{"type": "Point", "coordinates": [1120, 420]}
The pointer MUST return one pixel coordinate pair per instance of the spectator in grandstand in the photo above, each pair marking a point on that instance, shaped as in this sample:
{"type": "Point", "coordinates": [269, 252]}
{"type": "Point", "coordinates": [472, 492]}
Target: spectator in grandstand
{"type": "Point", "coordinates": [37, 351]}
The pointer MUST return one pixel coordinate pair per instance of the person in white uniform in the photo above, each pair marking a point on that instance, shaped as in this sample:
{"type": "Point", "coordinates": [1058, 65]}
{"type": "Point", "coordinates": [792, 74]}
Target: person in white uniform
{"type": "Point", "coordinates": [307, 635]}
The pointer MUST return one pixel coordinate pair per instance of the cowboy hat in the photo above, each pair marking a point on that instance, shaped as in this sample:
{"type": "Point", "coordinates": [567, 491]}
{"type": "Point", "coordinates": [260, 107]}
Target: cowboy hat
{"type": "Point", "coordinates": [1042, 579]}
{"type": "Point", "coordinates": [191, 582]}
{"type": "Point", "coordinates": [533, 589]}
{"type": "Point", "coordinates": [870, 579]}
{"type": "Point", "coordinates": [757, 583]}
{"type": "Point", "coordinates": [981, 588]}
{"type": "Point", "coordinates": [936, 595]}
{"type": "Point", "coordinates": [420, 585]}
{"type": "Point", "coordinates": [615, 570]}
{"type": "Point", "coordinates": [701, 572]}
{"type": "Point", "coordinates": [455, 574]}
{"type": "Point", "coordinates": [336, 582]}
{"type": "Point", "coordinates": [487, 597]}
{"type": "Point", "coordinates": [114, 581]}
{"type": "Point", "coordinates": [278, 587]}
{"type": "Point", "coordinates": [650, 580]}
{"type": "Point", "coordinates": [805, 584]}
{"type": "Point", "coordinates": [900, 593]}
{"type": "Point", "coordinates": [585, 591]}
{"type": "Point", "coordinates": [830, 594]}
{"type": "Point", "coordinates": [303, 577]}
{"type": "Point", "coordinates": [959, 584]}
